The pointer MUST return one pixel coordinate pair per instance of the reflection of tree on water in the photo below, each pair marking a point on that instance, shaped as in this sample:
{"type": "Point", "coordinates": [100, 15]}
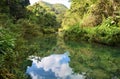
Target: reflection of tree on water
{"type": "Point", "coordinates": [46, 44]}
{"type": "Point", "coordinates": [98, 62]}
{"type": "Point", "coordinates": [60, 45]}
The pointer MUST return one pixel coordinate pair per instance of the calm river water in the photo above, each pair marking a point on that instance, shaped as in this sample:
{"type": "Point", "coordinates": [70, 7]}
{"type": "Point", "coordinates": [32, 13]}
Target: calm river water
{"type": "Point", "coordinates": [59, 59]}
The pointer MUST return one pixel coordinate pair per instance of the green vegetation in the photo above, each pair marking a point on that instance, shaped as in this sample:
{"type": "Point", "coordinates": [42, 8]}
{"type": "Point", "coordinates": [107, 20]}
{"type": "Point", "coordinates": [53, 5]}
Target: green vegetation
{"type": "Point", "coordinates": [22, 26]}
{"type": "Point", "coordinates": [93, 20]}
{"type": "Point", "coordinates": [98, 61]}
{"type": "Point", "coordinates": [57, 9]}
{"type": "Point", "coordinates": [106, 33]}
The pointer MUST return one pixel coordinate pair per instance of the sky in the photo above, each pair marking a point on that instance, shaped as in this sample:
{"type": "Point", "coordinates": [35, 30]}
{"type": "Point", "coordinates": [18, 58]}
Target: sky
{"type": "Point", "coordinates": [65, 2]}
{"type": "Point", "coordinates": [55, 66]}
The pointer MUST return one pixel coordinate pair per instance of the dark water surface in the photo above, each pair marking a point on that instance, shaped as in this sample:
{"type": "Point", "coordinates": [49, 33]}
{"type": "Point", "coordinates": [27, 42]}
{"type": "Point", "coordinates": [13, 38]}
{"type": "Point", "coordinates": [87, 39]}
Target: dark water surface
{"type": "Point", "coordinates": [60, 59]}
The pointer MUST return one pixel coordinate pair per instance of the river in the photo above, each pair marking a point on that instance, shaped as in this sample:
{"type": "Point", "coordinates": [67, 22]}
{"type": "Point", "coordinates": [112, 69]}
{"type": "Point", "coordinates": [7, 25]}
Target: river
{"type": "Point", "coordinates": [60, 59]}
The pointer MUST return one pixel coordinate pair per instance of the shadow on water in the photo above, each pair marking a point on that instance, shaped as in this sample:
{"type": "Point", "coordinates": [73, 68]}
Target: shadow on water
{"type": "Point", "coordinates": [96, 61]}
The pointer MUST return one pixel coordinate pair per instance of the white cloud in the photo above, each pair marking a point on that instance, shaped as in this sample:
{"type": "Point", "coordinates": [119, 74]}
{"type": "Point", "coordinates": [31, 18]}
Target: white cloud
{"type": "Point", "coordinates": [58, 65]}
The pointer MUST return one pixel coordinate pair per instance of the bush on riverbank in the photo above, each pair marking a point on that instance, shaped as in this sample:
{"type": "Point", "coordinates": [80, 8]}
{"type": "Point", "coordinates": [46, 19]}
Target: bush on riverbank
{"type": "Point", "coordinates": [93, 20]}
{"type": "Point", "coordinates": [107, 33]}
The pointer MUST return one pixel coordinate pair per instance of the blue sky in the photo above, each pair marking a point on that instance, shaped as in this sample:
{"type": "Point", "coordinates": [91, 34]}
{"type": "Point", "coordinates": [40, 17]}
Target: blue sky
{"type": "Point", "coordinates": [55, 66]}
{"type": "Point", "coordinates": [65, 2]}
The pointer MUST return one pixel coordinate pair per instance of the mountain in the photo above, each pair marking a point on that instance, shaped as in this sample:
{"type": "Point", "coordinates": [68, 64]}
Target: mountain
{"type": "Point", "coordinates": [57, 8]}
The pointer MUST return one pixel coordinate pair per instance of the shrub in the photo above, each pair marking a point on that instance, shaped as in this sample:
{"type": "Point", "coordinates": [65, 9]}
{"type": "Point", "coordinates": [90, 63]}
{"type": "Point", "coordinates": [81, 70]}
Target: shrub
{"type": "Point", "coordinates": [107, 33]}
{"type": "Point", "coordinates": [75, 32]}
{"type": "Point", "coordinates": [7, 41]}
{"type": "Point", "coordinates": [28, 30]}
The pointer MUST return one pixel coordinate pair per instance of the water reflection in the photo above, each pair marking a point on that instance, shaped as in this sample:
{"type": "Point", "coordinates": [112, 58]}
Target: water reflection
{"type": "Point", "coordinates": [55, 66]}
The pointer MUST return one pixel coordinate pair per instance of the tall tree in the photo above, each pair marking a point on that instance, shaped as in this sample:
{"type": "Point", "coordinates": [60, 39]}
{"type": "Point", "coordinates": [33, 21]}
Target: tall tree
{"type": "Point", "coordinates": [16, 8]}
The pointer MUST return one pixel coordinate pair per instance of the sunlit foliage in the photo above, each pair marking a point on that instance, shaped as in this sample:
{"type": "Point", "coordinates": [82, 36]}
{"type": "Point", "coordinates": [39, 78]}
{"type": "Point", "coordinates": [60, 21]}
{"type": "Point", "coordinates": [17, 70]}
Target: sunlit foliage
{"type": "Point", "coordinates": [93, 18]}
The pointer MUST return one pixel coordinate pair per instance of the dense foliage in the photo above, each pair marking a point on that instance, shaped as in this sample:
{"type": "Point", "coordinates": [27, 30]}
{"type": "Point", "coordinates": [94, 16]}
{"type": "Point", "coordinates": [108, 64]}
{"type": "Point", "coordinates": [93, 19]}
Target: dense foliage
{"type": "Point", "coordinates": [21, 27]}
{"type": "Point", "coordinates": [93, 20]}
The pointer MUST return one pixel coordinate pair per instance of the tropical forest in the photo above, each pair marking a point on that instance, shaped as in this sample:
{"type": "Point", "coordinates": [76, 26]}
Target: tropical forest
{"type": "Point", "coordinates": [53, 41]}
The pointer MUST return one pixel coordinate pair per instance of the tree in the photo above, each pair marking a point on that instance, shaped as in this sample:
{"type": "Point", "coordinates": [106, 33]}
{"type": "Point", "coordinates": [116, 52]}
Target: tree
{"type": "Point", "coordinates": [15, 8]}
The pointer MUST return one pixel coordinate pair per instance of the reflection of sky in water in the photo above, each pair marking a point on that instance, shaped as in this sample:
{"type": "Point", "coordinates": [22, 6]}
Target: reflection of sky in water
{"type": "Point", "coordinates": [55, 66]}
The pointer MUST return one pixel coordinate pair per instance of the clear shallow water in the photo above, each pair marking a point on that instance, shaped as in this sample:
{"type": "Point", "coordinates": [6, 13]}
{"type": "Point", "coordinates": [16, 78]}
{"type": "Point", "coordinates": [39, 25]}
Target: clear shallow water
{"type": "Point", "coordinates": [55, 66]}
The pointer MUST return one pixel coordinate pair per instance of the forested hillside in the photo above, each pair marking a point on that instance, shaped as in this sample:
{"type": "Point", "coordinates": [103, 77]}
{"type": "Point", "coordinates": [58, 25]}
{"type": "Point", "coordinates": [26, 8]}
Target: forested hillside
{"type": "Point", "coordinates": [93, 20]}
{"type": "Point", "coordinates": [58, 9]}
